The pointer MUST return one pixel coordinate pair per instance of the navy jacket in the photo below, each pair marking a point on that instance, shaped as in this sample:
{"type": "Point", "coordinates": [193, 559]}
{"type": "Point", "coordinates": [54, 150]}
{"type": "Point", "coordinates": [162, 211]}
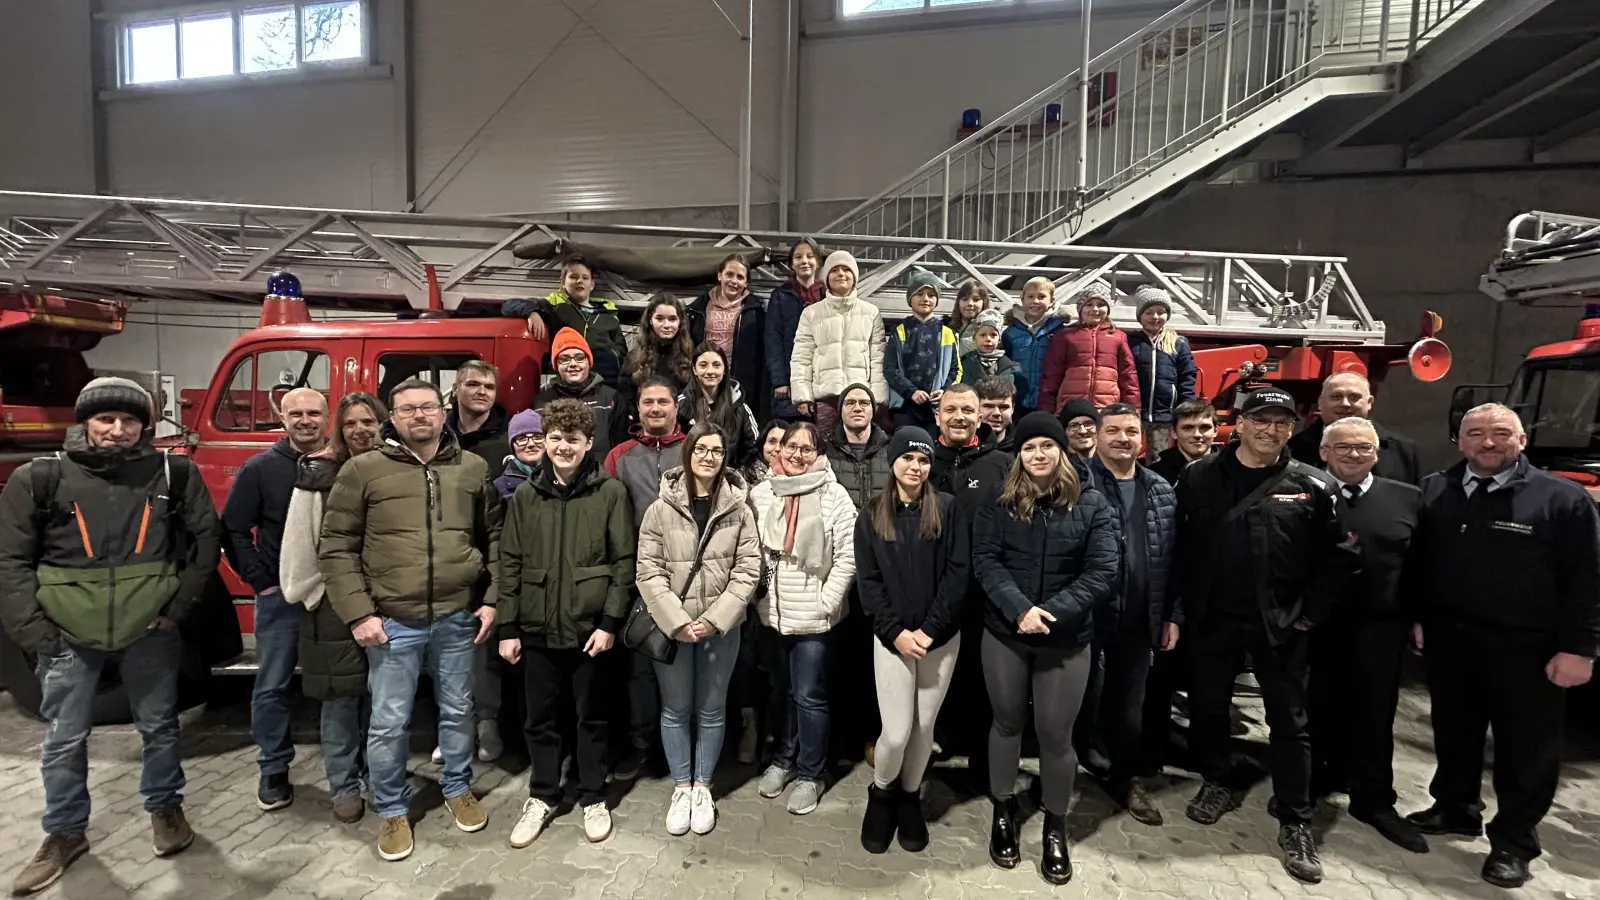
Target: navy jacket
{"type": "Point", "coordinates": [259, 502]}
{"type": "Point", "coordinates": [1028, 349]}
{"type": "Point", "coordinates": [1064, 561]}
{"type": "Point", "coordinates": [1160, 529]}
{"type": "Point", "coordinates": [1165, 379]}
{"type": "Point", "coordinates": [1525, 564]}
{"type": "Point", "coordinates": [783, 320]}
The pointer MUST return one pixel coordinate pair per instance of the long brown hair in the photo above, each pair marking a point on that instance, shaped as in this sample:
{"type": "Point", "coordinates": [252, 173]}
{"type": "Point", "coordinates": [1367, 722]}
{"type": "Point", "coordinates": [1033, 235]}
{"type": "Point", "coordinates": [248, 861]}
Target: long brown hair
{"type": "Point", "coordinates": [349, 401]}
{"type": "Point", "coordinates": [959, 322]}
{"type": "Point", "coordinates": [648, 350]}
{"type": "Point", "coordinates": [881, 509]}
{"type": "Point", "coordinates": [700, 430]}
{"type": "Point", "coordinates": [1023, 497]}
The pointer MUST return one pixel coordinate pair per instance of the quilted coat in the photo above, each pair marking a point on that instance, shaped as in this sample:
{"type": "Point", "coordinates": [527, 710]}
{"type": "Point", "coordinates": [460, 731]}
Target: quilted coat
{"type": "Point", "coordinates": [801, 601]}
{"type": "Point", "coordinates": [729, 551]}
{"type": "Point", "coordinates": [839, 342]}
{"type": "Point", "coordinates": [1090, 362]}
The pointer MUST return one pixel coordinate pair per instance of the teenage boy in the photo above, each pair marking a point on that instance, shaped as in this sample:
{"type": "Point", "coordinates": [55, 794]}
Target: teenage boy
{"type": "Point", "coordinates": [576, 379]}
{"type": "Point", "coordinates": [1194, 436]}
{"type": "Point", "coordinates": [574, 306]}
{"type": "Point", "coordinates": [920, 360]}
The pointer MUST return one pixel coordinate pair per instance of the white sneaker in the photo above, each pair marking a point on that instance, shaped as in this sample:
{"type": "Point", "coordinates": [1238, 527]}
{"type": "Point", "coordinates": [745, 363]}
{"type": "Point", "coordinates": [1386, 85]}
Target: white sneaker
{"type": "Point", "coordinates": [678, 811]}
{"type": "Point", "coordinates": [703, 814]}
{"type": "Point", "coordinates": [596, 822]}
{"type": "Point", "coordinates": [438, 756]}
{"type": "Point", "coordinates": [535, 814]}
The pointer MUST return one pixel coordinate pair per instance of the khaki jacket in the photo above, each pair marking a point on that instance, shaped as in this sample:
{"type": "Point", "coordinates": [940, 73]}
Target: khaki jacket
{"type": "Point", "coordinates": [730, 557]}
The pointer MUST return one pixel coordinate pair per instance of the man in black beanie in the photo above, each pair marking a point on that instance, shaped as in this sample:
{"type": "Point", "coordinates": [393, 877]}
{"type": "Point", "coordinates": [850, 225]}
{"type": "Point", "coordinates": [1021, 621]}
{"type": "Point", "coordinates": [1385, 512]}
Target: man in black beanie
{"type": "Point", "coordinates": [98, 563]}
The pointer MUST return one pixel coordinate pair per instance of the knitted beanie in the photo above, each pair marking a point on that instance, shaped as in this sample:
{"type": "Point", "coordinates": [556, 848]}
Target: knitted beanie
{"type": "Point", "coordinates": [989, 318]}
{"type": "Point", "coordinates": [908, 439]}
{"type": "Point", "coordinates": [112, 394]}
{"type": "Point", "coordinates": [526, 422]}
{"type": "Point", "coordinates": [1149, 296]}
{"type": "Point", "coordinates": [1078, 408]}
{"type": "Point", "coordinates": [858, 386]}
{"type": "Point", "coordinates": [567, 339]}
{"type": "Point", "coordinates": [1094, 290]}
{"type": "Point", "coordinates": [919, 279]}
{"type": "Point", "coordinates": [840, 258]}
{"type": "Point", "coordinates": [1040, 424]}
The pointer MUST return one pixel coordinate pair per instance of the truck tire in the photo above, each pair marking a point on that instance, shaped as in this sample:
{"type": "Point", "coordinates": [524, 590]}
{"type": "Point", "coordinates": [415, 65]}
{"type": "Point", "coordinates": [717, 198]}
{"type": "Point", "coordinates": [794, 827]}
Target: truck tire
{"type": "Point", "coordinates": [111, 705]}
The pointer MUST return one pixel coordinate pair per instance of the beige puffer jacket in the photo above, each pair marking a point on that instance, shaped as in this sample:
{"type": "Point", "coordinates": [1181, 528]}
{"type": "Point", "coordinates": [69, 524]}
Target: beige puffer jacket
{"type": "Point", "coordinates": [730, 562]}
{"type": "Point", "coordinates": [839, 342]}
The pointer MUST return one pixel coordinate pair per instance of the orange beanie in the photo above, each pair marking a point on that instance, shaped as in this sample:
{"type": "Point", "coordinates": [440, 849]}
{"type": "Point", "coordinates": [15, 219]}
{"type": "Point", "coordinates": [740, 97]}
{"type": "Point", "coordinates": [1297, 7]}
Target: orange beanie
{"type": "Point", "coordinates": [567, 339]}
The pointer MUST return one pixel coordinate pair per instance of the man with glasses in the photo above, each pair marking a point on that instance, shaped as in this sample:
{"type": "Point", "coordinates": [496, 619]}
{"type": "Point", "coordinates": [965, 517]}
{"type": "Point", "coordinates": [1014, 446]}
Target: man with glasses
{"type": "Point", "coordinates": [409, 555]}
{"type": "Point", "coordinates": [1356, 654]}
{"type": "Point", "coordinates": [1262, 558]}
{"type": "Point", "coordinates": [1346, 394]}
{"type": "Point", "coordinates": [577, 380]}
{"type": "Point", "coordinates": [1082, 422]}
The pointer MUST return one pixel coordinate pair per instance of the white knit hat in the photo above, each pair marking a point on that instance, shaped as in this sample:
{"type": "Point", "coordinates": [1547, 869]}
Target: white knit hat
{"type": "Point", "coordinates": [840, 258]}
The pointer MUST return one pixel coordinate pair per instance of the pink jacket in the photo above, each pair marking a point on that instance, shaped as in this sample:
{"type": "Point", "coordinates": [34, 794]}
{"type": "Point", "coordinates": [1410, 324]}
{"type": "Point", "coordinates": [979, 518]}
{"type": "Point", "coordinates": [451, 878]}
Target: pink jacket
{"type": "Point", "coordinates": [1093, 363]}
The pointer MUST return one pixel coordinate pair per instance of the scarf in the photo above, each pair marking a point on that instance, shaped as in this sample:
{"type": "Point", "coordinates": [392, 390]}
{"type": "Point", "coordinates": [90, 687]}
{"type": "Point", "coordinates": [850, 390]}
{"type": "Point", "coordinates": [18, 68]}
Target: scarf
{"type": "Point", "coordinates": [722, 316]}
{"type": "Point", "coordinates": [990, 360]}
{"type": "Point", "coordinates": [795, 528]}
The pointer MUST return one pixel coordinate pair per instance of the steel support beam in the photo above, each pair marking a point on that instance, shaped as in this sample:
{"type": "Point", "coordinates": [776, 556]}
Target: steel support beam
{"type": "Point", "coordinates": [1558, 73]}
{"type": "Point", "coordinates": [1581, 127]}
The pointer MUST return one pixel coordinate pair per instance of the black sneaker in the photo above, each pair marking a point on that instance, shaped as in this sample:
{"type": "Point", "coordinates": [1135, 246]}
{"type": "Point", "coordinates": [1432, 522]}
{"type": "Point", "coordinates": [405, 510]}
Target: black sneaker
{"type": "Point", "coordinates": [274, 792]}
{"type": "Point", "coordinates": [627, 766]}
{"type": "Point", "coordinates": [1300, 858]}
{"type": "Point", "coordinates": [1211, 803]}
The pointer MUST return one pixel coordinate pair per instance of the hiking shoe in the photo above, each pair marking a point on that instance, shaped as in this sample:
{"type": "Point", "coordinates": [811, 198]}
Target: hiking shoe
{"type": "Point", "coordinates": [535, 815]}
{"type": "Point", "coordinates": [803, 799]}
{"type": "Point", "coordinates": [394, 838]}
{"type": "Point", "coordinates": [1300, 858]}
{"type": "Point", "coordinates": [55, 854]}
{"type": "Point", "coordinates": [469, 813]}
{"type": "Point", "coordinates": [170, 831]}
{"type": "Point", "coordinates": [680, 810]}
{"type": "Point", "coordinates": [774, 780]}
{"type": "Point", "coordinates": [490, 746]}
{"type": "Point", "coordinates": [1141, 806]}
{"type": "Point", "coordinates": [274, 792]}
{"type": "Point", "coordinates": [702, 810]}
{"type": "Point", "coordinates": [349, 810]}
{"type": "Point", "coordinates": [1211, 803]}
{"type": "Point", "coordinates": [596, 822]}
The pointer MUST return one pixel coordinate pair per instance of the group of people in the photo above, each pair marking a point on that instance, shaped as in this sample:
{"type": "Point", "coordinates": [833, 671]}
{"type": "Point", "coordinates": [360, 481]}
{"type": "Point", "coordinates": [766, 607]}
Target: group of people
{"type": "Point", "coordinates": [634, 541]}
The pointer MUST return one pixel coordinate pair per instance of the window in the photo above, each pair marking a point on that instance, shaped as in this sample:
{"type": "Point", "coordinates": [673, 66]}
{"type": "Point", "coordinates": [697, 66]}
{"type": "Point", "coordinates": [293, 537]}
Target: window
{"type": "Point", "coordinates": [435, 368]}
{"type": "Point", "coordinates": [258, 383]}
{"type": "Point", "coordinates": [247, 38]}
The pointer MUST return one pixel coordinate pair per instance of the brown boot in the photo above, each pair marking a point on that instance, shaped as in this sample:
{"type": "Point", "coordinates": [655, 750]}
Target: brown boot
{"type": "Point", "coordinates": [171, 830]}
{"type": "Point", "coordinates": [349, 809]}
{"type": "Point", "coordinates": [55, 854]}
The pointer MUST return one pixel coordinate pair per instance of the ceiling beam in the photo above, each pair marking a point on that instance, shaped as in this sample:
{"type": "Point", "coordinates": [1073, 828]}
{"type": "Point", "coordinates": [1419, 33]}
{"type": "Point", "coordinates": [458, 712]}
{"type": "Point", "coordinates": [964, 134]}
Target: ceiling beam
{"type": "Point", "coordinates": [1559, 73]}
{"type": "Point", "coordinates": [1568, 132]}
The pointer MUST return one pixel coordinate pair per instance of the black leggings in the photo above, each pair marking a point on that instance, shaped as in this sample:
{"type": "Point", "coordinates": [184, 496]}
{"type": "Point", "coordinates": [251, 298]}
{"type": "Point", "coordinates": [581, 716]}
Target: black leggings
{"type": "Point", "coordinates": [1055, 678]}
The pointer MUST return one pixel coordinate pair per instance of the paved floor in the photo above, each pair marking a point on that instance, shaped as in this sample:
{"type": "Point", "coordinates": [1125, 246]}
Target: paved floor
{"type": "Point", "coordinates": [758, 850]}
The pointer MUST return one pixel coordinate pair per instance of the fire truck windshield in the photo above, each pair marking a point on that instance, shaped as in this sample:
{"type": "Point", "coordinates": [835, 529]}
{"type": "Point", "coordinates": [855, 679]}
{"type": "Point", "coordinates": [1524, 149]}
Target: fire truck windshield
{"type": "Point", "coordinates": [1559, 401]}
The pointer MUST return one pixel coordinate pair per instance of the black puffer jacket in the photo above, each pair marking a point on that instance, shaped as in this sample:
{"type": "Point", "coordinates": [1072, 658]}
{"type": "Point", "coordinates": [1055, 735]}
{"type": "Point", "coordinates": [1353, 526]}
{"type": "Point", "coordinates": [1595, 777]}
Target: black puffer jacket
{"type": "Point", "coordinates": [1304, 557]}
{"type": "Point", "coordinates": [332, 664]}
{"type": "Point", "coordinates": [970, 474]}
{"type": "Point", "coordinates": [1160, 527]}
{"type": "Point", "coordinates": [784, 307]}
{"type": "Point", "coordinates": [862, 475]}
{"type": "Point", "coordinates": [490, 441]}
{"type": "Point", "coordinates": [914, 583]}
{"type": "Point", "coordinates": [1064, 561]}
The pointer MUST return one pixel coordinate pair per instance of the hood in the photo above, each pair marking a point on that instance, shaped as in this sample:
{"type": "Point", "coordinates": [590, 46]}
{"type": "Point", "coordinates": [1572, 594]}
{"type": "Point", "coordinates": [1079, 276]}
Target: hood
{"type": "Point", "coordinates": [559, 296]}
{"type": "Point", "coordinates": [588, 478]}
{"type": "Point", "coordinates": [285, 448]}
{"type": "Point", "coordinates": [808, 295]}
{"type": "Point", "coordinates": [495, 425]}
{"type": "Point", "coordinates": [657, 441]}
{"type": "Point", "coordinates": [1049, 324]}
{"type": "Point", "coordinates": [390, 445]}
{"type": "Point", "coordinates": [675, 492]}
{"type": "Point", "coordinates": [578, 392]}
{"type": "Point", "coordinates": [316, 473]}
{"type": "Point", "coordinates": [514, 469]}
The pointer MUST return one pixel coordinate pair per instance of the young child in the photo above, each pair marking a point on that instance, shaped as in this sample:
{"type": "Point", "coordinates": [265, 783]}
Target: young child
{"type": "Point", "coordinates": [988, 358]}
{"type": "Point", "coordinates": [1027, 335]}
{"type": "Point", "coordinates": [920, 360]}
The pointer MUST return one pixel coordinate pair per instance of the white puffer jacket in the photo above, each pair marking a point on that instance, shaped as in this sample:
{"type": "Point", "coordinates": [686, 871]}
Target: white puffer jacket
{"type": "Point", "coordinates": [801, 599]}
{"type": "Point", "coordinates": [839, 342]}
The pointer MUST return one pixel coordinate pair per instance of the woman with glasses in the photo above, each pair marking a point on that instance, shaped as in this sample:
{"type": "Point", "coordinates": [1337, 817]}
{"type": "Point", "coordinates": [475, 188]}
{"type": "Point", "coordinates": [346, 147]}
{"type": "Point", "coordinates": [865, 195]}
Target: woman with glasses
{"type": "Point", "coordinates": [807, 527]}
{"type": "Point", "coordinates": [714, 397]}
{"type": "Point", "coordinates": [699, 560]}
{"type": "Point", "coordinates": [527, 451]}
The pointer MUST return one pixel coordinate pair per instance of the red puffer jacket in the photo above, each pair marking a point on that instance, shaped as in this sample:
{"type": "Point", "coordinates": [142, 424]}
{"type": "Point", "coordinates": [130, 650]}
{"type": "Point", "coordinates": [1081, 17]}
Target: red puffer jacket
{"type": "Point", "coordinates": [1093, 363]}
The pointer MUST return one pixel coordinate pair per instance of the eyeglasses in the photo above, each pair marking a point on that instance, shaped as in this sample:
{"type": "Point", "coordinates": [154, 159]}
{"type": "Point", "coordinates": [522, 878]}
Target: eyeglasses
{"type": "Point", "coordinates": [798, 450]}
{"type": "Point", "coordinates": [1353, 449]}
{"type": "Point", "coordinates": [1083, 426]}
{"type": "Point", "coordinates": [704, 452]}
{"type": "Point", "coordinates": [568, 359]}
{"type": "Point", "coordinates": [1276, 424]}
{"type": "Point", "coordinates": [857, 402]}
{"type": "Point", "coordinates": [528, 440]}
{"type": "Point", "coordinates": [412, 409]}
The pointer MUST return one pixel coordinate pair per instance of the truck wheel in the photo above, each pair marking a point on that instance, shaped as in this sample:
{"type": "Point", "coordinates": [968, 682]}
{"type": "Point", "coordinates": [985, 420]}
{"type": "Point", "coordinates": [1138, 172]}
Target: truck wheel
{"type": "Point", "coordinates": [111, 705]}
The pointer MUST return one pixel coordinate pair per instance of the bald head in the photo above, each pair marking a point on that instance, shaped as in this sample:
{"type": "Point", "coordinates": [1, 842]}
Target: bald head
{"type": "Point", "coordinates": [1344, 394]}
{"type": "Point", "coordinates": [304, 412]}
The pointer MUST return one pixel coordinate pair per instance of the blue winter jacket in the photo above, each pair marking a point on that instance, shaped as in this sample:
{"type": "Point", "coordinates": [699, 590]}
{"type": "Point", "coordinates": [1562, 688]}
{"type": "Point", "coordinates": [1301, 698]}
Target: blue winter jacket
{"type": "Point", "coordinates": [783, 320]}
{"type": "Point", "coordinates": [1028, 349]}
{"type": "Point", "coordinates": [1165, 380]}
{"type": "Point", "coordinates": [1160, 533]}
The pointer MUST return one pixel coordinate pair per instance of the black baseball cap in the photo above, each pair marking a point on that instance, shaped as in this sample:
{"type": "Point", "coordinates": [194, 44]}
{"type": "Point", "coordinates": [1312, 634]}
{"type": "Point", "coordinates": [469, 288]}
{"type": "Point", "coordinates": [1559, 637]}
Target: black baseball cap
{"type": "Point", "coordinates": [1264, 399]}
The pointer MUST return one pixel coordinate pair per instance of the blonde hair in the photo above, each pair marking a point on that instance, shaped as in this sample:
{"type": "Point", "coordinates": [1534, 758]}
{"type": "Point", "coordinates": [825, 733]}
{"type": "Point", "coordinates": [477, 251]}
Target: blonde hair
{"type": "Point", "coordinates": [1044, 282]}
{"type": "Point", "coordinates": [1023, 496]}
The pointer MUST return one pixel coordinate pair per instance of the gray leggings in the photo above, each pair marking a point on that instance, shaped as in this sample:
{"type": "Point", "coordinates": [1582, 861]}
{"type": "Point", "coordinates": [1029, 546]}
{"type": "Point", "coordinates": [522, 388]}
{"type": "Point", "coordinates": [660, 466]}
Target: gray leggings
{"type": "Point", "coordinates": [1056, 679]}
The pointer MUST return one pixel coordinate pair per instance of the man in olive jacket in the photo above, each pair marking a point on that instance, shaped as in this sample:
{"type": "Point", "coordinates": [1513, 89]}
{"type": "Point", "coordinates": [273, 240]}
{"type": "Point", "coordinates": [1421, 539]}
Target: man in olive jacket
{"type": "Point", "coordinates": [99, 561]}
{"type": "Point", "coordinates": [410, 543]}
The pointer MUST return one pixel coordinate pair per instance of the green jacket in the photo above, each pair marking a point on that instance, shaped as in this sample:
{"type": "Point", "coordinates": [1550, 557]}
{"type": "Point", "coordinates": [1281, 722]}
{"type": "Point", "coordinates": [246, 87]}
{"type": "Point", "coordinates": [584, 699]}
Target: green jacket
{"type": "Point", "coordinates": [566, 559]}
{"type": "Point", "coordinates": [410, 540]}
{"type": "Point", "coordinates": [601, 327]}
{"type": "Point", "coordinates": [106, 564]}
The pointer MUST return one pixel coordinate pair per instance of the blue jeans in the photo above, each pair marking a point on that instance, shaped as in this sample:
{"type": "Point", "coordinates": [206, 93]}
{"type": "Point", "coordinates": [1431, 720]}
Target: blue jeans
{"type": "Point", "coordinates": [277, 652]}
{"type": "Point", "coordinates": [446, 646]}
{"type": "Point", "coordinates": [68, 679]}
{"type": "Point", "coordinates": [344, 736]}
{"type": "Point", "coordinates": [694, 690]}
{"type": "Point", "coordinates": [798, 667]}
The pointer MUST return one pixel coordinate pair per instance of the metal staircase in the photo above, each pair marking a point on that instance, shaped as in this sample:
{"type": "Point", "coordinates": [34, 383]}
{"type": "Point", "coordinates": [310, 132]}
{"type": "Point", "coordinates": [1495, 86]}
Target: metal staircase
{"type": "Point", "coordinates": [1173, 103]}
{"type": "Point", "coordinates": [133, 249]}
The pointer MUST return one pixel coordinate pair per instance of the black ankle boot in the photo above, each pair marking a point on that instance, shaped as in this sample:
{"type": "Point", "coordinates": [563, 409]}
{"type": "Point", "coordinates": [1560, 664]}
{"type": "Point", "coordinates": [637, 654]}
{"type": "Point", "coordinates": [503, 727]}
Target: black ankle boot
{"type": "Point", "coordinates": [1055, 864]}
{"type": "Point", "coordinates": [1003, 849]}
{"type": "Point", "coordinates": [910, 824]}
{"type": "Point", "coordinates": [877, 826]}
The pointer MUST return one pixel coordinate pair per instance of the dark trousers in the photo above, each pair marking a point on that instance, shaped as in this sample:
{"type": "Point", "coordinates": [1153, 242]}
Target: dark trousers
{"type": "Point", "coordinates": [1088, 740]}
{"type": "Point", "coordinates": [798, 666]}
{"type": "Point", "coordinates": [1355, 688]}
{"type": "Point", "coordinates": [1480, 679]}
{"type": "Point", "coordinates": [551, 679]}
{"type": "Point", "coordinates": [644, 701]}
{"type": "Point", "coordinates": [1125, 668]}
{"type": "Point", "coordinates": [1219, 647]}
{"type": "Point", "coordinates": [853, 687]}
{"type": "Point", "coordinates": [1169, 673]}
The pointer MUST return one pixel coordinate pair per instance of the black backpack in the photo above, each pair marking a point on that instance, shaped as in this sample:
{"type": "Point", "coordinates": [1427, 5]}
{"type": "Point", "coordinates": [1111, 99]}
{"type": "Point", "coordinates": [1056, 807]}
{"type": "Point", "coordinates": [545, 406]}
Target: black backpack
{"type": "Point", "coordinates": [46, 473]}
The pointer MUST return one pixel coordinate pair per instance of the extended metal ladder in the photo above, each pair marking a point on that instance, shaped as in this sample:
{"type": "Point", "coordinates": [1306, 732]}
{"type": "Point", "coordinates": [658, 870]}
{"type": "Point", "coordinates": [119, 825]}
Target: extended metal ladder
{"type": "Point", "coordinates": [1548, 259]}
{"type": "Point", "coordinates": [139, 248]}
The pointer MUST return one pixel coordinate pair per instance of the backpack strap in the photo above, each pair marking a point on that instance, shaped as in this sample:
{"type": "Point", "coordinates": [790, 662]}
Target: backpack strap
{"type": "Point", "coordinates": [46, 472]}
{"type": "Point", "coordinates": [176, 469]}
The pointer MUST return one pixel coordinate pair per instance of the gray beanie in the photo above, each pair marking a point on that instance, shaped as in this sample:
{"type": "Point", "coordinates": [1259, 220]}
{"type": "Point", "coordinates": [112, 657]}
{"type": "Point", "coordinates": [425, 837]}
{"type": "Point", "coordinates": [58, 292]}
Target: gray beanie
{"type": "Point", "coordinates": [1149, 296]}
{"type": "Point", "coordinates": [919, 279]}
{"type": "Point", "coordinates": [112, 394]}
{"type": "Point", "coordinates": [1094, 290]}
{"type": "Point", "coordinates": [990, 318]}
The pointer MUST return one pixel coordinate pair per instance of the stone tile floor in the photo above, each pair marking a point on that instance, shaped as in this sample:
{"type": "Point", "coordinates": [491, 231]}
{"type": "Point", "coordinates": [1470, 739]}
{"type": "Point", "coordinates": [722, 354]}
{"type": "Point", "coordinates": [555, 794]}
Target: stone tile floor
{"type": "Point", "coordinates": [757, 850]}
